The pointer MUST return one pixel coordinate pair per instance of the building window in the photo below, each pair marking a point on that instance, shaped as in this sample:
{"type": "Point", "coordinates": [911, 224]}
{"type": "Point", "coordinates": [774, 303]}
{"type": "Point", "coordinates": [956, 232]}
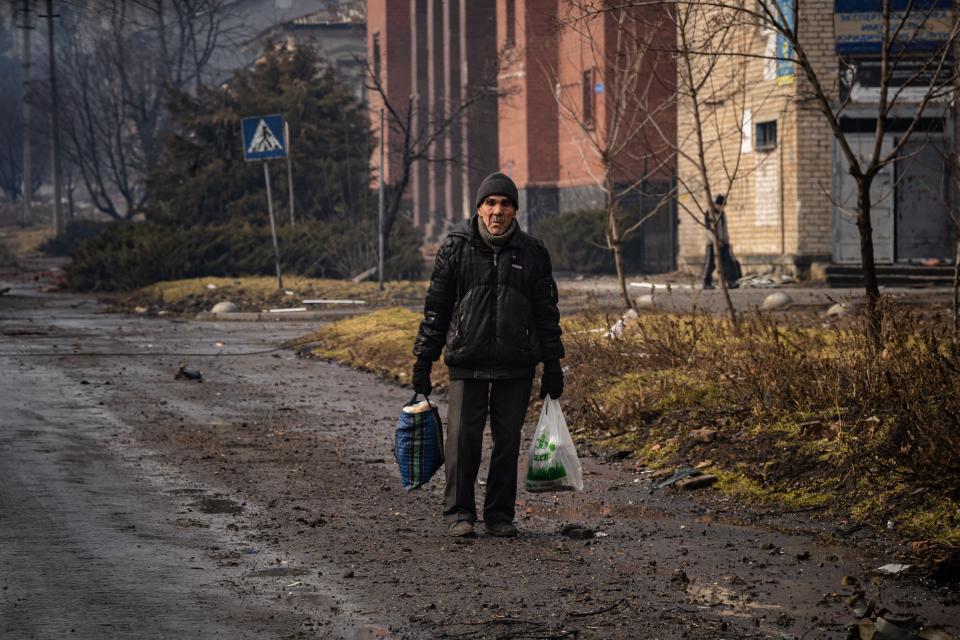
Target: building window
{"type": "Point", "coordinates": [766, 138]}
{"type": "Point", "coordinates": [589, 98]}
{"type": "Point", "coordinates": [511, 23]}
{"type": "Point", "coordinates": [376, 55]}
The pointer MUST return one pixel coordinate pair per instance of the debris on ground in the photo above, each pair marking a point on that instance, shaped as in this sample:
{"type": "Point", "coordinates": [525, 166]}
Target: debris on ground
{"type": "Point", "coordinates": [892, 568]}
{"type": "Point", "coordinates": [577, 532]}
{"type": "Point", "coordinates": [646, 302]}
{"type": "Point", "coordinates": [765, 281]}
{"type": "Point", "coordinates": [679, 474]}
{"type": "Point", "coordinates": [887, 627]}
{"type": "Point", "coordinates": [287, 310]}
{"type": "Point", "coordinates": [662, 286]}
{"type": "Point", "coordinates": [630, 317]}
{"type": "Point", "coordinates": [704, 436]}
{"type": "Point", "coordinates": [838, 310]}
{"type": "Point", "coordinates": [224, 307]}
{"type": "Point", "coordinates": [186, 373]}
{"type": "Point", "coordinates": [778, 300]}
{"type": "Point", "coordinates": [878, 623]}
{"type": "Point", "coordinates": [696, 482]}
{"type": "Point", "coordinates": [330, 301]}
{"type": "Point", "coordinates": [847, 531]}
{"type": "Point", "coordinates": [363, 275]}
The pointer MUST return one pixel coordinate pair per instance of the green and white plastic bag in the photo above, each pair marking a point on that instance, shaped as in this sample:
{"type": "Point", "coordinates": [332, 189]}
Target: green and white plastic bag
{"type": "Point", "coordinates": [552, 464]}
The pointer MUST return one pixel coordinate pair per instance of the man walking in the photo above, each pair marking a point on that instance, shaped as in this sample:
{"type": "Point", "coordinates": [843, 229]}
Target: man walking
{"type": "Point", "coordinates": [731, 269]}
{"type": "Point", "coordinates": [492, 303]}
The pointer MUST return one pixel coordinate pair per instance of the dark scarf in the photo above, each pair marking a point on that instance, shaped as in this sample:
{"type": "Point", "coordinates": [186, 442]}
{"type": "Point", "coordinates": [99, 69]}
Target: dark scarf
{"type": "Point", "coordinates": [496, 242]}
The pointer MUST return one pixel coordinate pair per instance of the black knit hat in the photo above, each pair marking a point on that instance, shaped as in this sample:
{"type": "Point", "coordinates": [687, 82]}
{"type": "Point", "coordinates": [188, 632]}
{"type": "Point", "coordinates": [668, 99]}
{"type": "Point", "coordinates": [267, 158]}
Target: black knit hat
{"type": "Point", "coordinates": [500, 185]}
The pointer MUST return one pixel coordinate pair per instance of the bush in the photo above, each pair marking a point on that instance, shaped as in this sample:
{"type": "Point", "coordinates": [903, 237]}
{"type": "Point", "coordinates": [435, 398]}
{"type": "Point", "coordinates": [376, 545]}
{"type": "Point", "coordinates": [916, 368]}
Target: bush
{"type": "Point", "coordinates": [822, 398]}
{"type": "Point", "coordinates": [129, 256]}
{"type": "Point", "coordinates": [73, 234]}
{"type": "Point", "coordinates": [576, 243]}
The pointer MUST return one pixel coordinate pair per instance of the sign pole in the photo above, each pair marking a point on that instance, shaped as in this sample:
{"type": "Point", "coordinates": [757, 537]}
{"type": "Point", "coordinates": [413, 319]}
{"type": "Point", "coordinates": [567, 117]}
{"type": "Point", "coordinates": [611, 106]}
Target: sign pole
{"type": "Point", "coordinates": [380, 210]}
{"type": "Point", "coordinates": [286, 136]}
{"type": "Point", "coordinates": [273, 226]}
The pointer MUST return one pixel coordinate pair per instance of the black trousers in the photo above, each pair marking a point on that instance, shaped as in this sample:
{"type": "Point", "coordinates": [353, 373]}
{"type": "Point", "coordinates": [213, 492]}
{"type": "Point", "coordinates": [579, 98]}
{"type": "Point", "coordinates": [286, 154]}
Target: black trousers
{"type": "Point", "coordinates": [726, 263]}
{"type": "Point", "coordinates": [470, 401]}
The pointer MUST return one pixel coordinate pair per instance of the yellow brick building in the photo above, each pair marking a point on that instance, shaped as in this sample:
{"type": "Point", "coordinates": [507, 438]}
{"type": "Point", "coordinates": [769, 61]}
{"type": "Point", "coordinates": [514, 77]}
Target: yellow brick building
{"type": "Point", "coordinates": [767, 148]}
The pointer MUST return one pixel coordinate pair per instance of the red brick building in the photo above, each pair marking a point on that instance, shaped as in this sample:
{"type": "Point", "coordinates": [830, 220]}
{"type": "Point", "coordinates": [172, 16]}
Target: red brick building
{"type": "Point", "coordinates": [556, 101]}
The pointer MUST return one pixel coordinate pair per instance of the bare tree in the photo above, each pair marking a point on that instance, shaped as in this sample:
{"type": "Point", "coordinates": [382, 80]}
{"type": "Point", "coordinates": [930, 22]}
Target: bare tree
{"type": "Point", "coordinates": [11, 128]}
{"type": "Point", "coordinates": [422, 144]}
{"type": "Point", "coordinates": [619, 144]}
{"type": "Point", "coordinates": [905, 86]}
{"type": "Point", "coordinates": [117, 66]}
{"type": "Point", "coordinates": [904, 83]}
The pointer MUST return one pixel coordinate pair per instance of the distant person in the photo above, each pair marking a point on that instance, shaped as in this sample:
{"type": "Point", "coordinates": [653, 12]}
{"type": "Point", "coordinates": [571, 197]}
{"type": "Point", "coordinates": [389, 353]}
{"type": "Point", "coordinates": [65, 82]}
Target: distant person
{"type": "Point", "coordinates": [492, 303]}
{"type": "Point", "coordinates": [731, 268]}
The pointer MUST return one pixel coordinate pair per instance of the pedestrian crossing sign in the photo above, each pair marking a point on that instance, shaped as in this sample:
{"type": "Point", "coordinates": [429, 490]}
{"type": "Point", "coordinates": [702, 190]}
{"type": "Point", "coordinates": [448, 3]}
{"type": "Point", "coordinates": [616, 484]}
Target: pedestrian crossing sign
{"type": "Point", "coordinates": [263, 138]}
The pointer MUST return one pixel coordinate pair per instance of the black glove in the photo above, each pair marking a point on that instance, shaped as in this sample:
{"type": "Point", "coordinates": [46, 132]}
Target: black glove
{"type": "Point", "coordinates": [551, 382]}
{"type": "Point", "coordinates": [421, 376]}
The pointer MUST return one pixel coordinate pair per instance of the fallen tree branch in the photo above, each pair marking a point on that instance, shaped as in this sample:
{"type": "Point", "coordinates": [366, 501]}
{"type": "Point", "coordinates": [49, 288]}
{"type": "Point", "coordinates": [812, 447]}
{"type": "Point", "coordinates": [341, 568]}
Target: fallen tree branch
{"type": "Point", "coordinates": [586, 614]}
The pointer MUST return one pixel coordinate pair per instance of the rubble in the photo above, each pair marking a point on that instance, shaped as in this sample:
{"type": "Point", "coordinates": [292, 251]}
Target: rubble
{"type": "Point", "coordinates": [696, 482]}
{"type": "Point", "coordinates": [224, 307]}
{"type": "Point", "coordinates": [838, 310]}
{"type": "Point", "coordinates": [704, 436]}
{"type": "Point", "coordinates": [778, 300]}
{"type": "Point", "coordinates": [186, 373]}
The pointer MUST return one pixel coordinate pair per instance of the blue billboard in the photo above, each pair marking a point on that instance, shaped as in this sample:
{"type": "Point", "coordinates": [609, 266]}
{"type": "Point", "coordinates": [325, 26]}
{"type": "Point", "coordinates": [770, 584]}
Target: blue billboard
{"type": "Point", "coordinates": [921, 25]}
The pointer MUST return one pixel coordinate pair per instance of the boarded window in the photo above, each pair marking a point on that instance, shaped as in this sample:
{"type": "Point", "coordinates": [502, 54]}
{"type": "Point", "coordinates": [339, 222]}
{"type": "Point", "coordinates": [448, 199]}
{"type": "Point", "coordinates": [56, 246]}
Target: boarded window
{"type": "Point", "coordinates": [589, 98]}
{"type": "Point", "coordinates": [376, 54]}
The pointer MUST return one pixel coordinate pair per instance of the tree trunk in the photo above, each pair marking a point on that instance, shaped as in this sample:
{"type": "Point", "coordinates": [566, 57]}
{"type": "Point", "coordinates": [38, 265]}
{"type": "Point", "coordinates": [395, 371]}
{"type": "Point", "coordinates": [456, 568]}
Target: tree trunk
{"type": "Point", "coordinates": [722, 276]}
{"type": "Point", "coordinates": [956, 289]}
{"type": "Point", "coordinates": [621, 277]}
{"type": "Point", "coordinates": [615, 242]}
{"type": "Point", "coordinates": [869, 267]}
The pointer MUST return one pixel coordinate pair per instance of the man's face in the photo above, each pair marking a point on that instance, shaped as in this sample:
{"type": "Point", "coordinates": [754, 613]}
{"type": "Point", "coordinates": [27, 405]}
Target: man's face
{"type": "Point", "coordinates": [497, 213]}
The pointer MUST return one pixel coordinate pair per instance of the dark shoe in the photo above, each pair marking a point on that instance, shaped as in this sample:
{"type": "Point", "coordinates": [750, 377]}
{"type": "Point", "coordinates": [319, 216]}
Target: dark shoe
{"type": "Point", "coordinates": [460, 529]}
{"type": "Point", "coordinates": [502, 529]}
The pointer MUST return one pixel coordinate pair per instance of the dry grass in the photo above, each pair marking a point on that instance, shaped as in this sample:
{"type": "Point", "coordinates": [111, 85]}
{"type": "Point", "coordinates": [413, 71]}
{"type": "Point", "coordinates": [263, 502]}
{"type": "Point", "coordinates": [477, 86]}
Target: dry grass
{"type": "Point", "coordinates": [189, 297]}
{"type": "Point", "coordinates": [380, 342]}
{"type": "Point", "coordinates": [804, 416]}
{"type": "Point", "coordinates": [19, 242]}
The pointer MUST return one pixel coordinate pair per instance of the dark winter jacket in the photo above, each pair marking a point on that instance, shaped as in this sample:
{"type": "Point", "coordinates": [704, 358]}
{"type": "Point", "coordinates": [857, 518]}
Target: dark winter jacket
{"type": "Point", "coordinates": [496, 313]}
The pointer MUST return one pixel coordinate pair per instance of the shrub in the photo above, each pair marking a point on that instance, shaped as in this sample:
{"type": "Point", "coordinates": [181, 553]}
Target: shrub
{"type": "Point", "coordinates": [129, 256]}
{"type": "Point", "coordinates": [73, 234]}
{"type": "Point", "coordinates": [576, 243]}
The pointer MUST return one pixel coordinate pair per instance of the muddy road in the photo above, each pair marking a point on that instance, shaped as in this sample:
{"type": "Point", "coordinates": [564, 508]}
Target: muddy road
{"type": "Point", "coordinates": [263, 502]}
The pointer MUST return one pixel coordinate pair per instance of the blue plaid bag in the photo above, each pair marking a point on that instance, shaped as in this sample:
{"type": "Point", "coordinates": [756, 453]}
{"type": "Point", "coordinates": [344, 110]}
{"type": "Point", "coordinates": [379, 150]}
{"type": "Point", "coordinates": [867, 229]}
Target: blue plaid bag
{"type": "Point", "coordinates": [419, 442]}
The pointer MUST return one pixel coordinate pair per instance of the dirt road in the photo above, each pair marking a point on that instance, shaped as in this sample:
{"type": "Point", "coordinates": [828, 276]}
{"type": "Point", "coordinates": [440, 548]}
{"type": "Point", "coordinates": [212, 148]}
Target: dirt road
{"type": "Point", "coordinates": [264, 503]}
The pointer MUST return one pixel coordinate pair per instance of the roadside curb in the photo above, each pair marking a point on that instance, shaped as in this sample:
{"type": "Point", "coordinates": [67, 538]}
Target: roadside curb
{"type": "Point", "coordinates": [264, 316]}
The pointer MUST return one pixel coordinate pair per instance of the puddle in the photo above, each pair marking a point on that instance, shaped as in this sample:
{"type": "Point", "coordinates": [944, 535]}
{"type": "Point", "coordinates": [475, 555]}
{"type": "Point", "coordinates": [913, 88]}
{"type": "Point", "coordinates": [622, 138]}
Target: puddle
{"type": "Point", "coordinates": [217, 505]}
{"type": "Point", "coordinates": [184, 492]}
{"type": "Point", "coordinates": [279, 571]}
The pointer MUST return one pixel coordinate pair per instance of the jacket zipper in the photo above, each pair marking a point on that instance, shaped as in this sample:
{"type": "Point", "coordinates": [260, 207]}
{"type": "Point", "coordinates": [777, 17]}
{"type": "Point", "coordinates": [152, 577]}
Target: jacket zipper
{"type": "Point", "coordinates": [496, 295]}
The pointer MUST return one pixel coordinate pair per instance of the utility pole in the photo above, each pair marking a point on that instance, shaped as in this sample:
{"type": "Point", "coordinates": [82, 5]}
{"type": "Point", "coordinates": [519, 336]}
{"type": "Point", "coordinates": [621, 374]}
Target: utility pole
{"type": "Point", "coordinates": [58, 220]}
{"type": "Point", "coordinates": [27, 173]}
